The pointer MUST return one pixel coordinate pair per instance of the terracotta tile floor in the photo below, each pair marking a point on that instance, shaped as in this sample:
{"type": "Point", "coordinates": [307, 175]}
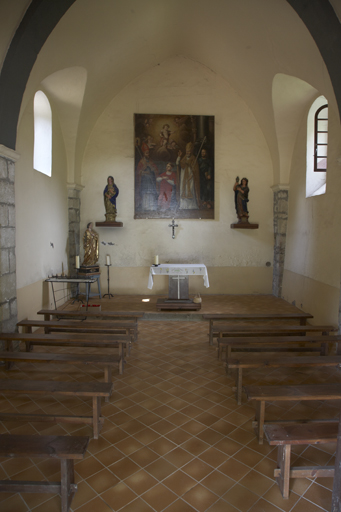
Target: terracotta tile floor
{"type": "Point", "coordinates": [174, 438]}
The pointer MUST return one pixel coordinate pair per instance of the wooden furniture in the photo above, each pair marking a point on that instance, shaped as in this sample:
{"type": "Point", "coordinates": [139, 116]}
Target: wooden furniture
{"type": "Point", "coordinates": [215, 318]}
{"type": "Point", "coordinates": [71, 340]}
{"type": "Point", "coordinates": [94, 390]}
{"type": "Point", "coordinates": [286, 436]}
{"type": "Point", "coordinates": [246, 362]}
{"type": "Point", "coordinates": [281, 343]}
{"type": "Point", "coordinates": [262, 394]}
{"type": "Point", "coordinates": [127, 316]}
{"type": "Point", "coordinates": [107, 361]}
{"type": "Point", "coordinates": [65, 448]}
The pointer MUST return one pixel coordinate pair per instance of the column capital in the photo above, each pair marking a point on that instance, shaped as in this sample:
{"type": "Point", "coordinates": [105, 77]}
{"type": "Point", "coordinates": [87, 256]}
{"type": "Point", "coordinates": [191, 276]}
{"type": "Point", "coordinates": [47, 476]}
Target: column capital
{"type": "Point", "coordinates": [74, 186]}
{"type": "Point", "coordinates": [279, 187]}
{"type": "Point", "coordinates": [9, 153]}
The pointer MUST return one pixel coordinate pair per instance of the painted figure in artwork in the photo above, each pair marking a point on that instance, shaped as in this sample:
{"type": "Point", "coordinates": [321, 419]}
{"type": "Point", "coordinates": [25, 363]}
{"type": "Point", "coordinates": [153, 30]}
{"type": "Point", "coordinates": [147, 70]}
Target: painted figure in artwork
{"type": "Point", "coordinates": [167, 182]}
{"type": "Point", "coordinates": [189, 179]}
{"type": "Point", "coordinates": [90, 245]}
{"type": "Point", "coordinates": [147, 173]}
{"type": "Point", "coordinates": [110, 194]}
{"type": "Point", "coordinates": [241, 198]}
{"type": "Point", "coordinates": [206, 179]}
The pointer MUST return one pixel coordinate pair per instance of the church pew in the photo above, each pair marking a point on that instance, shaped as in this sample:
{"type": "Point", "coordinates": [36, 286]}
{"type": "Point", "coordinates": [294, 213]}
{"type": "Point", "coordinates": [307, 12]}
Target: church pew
{"type": "Point", "coordinates": [215, 318]}
{"type": "Point", "coordinates": [94, 390]}
{"type": "Point", "coordinates": [107, 361]}
{"type": "Point", "coordinates": [262, 394]}
{"type": "Point", "coordinates": [286, 436]}
{"type": "Point", "coordinates": [132, 316]}
{"type": "Point", "coordinates": [65, 448]}
{"type": "Point", "coordinates": [70, 325]}
{"type": "Point", "coordinates": [246, 362]}
{"type": "Point", "coordinates": [119, 341]}
{"type": "Point", "coordinates": [280, 343]}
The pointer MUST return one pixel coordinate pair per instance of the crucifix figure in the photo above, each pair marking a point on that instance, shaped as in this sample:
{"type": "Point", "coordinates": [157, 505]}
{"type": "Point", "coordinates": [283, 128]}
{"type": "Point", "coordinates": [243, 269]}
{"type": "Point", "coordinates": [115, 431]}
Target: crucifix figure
{"type": "Point", "coordinates": [173, 226]}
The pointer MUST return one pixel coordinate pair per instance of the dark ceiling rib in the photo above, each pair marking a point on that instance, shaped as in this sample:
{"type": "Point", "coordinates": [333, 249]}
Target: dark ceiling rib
{"type": "Point", "coordinates": [37, 24]}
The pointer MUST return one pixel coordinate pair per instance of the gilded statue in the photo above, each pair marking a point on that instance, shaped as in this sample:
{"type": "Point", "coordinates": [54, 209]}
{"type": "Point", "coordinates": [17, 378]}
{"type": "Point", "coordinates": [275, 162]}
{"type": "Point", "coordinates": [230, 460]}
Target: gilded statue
{"type": "Point", "coordinates": [110, 194]}
{"type": "Point", "coordinates": [90, 245]}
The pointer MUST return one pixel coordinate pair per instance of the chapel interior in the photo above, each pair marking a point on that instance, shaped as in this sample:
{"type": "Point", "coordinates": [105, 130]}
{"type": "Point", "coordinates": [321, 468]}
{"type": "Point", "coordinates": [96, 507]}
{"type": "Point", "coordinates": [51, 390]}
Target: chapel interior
{"type": "Point", "coordinates": [174, 438]}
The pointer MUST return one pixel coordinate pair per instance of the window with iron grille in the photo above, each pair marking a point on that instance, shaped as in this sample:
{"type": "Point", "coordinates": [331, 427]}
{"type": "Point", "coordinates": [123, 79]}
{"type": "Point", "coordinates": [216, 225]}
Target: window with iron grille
{"type": "Point", "coordinates": [321, 139]}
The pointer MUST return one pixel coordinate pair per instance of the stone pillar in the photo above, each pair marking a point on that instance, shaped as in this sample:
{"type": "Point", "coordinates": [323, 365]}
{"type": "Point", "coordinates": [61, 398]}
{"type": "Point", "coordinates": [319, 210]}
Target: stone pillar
{"type": "Point", "coordinates": [74, 204]}
{"type": "Point", "coordinates": [281, 201]}
{"type": "Point", "coordinates": [8, 284]}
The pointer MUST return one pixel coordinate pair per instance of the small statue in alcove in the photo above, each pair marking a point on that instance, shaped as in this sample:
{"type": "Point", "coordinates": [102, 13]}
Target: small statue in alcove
{"type": "Point", "coordinates": [110, 194]}
{"type": "Point", "coordinates": [241, 198]}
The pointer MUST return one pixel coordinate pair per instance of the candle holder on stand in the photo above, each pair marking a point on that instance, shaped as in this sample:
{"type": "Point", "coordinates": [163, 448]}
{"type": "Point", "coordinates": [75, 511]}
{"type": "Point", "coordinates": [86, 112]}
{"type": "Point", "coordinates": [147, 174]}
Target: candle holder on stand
{"type": "Point", "coordinates": [108, 279]}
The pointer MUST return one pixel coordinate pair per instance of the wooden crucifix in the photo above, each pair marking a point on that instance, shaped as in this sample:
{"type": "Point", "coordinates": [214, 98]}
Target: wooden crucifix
{"type": "Point", "coordinates": [173, 226]}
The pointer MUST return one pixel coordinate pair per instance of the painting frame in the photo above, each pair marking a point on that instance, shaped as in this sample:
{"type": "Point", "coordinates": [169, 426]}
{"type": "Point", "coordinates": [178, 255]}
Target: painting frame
{"type": "Point", "coordinates": [174, 166]}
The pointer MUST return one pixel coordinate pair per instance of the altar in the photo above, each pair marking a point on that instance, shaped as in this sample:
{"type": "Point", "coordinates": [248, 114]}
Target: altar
{"type": "Point", "coordinates": [178, 279]}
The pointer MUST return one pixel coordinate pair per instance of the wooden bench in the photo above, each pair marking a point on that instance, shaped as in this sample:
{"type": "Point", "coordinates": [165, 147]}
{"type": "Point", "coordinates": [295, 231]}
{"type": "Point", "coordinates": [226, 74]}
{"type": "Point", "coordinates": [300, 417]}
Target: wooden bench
{"type": "Point", "coordinates": [94, 390]}
{"type": "Point", "coordinates": [312, 343]}
{"type": "Point", "coordinates": [133, 316]}
{"type": "Point", "coordinates": [65, 448]}
{"type": "Point", "coordinates": [262, 394]}
{"type": "Point", "coordinates": [108, 361]}
{"type": "Point", "coordinates": [71, 340]}
{"type": "Point", "coordinates": [220, 317]}
{"type": "Point", "coordinates": [245, 362]}
{"type": "Point", "coordinates": [99, 326]}
{"type": "Point", "coordinates": [285, 436]}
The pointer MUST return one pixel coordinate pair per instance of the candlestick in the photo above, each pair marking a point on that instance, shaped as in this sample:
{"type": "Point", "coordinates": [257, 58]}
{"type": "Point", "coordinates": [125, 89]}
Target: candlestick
{"type": "Point", "coordinates": [108, 260]}
{"type": "Point", "coordinates": [77, 262]}
{"type": "Point", "coordinates": [156, 260]}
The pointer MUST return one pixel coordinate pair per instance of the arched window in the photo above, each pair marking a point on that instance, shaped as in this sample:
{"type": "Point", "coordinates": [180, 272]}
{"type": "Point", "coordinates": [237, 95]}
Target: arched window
{"type": "Point", "coordinates": [317, 148]}
{"type": "Point", "coordinates": [42, 155]}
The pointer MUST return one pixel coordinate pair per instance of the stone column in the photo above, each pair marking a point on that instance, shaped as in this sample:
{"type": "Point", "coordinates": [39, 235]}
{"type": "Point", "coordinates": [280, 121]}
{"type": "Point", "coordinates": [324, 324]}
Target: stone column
{"type": "Point", "coordinates": [281, 200]}
{"type": "Point", "coordinates": [74, 204]}
{"type": "Point", "coordinates": [8, 284]}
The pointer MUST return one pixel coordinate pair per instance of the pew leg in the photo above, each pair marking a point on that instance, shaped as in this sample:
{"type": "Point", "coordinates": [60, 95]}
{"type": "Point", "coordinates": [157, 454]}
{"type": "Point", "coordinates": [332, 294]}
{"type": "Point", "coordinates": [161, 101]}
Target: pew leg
{"type": "Point", "coordinates": [96, 414]}
{"type": "Point", "coordinates": [239, 385]}
{"type": "Point", "coordinates": [121, 354]}
{"type": "Point", "coordinates": [260, 412]}
{"type": "Point", "coordinates": [211, 332]}
{"type": "Point", "coordinates": [67, 487]}
{"type": "Point", "coordinates": [107, 377]}
{"type": "Point", "coordinates": [283, 461]}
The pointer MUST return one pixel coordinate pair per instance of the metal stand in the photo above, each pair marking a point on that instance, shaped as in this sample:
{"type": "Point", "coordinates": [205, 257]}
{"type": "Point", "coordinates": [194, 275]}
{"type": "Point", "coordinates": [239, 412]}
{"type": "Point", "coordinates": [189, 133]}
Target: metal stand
{"type": "Point", "coordinates": [108, 294]}
{"type": "Point", "coordinates": [77, 293]}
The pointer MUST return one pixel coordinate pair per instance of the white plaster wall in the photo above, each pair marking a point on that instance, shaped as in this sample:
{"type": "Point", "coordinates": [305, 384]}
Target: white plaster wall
{"type": "Point", "coordinates": [181, 86]}
{"type": "Point", "coordinates": [313, 249]}
{"type": "Point", "coordinates": [41, 209]}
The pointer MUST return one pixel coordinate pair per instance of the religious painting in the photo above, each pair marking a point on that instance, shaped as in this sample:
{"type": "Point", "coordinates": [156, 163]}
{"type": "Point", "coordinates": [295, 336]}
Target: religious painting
{"type": "Point", "coordinates": [174, 166]}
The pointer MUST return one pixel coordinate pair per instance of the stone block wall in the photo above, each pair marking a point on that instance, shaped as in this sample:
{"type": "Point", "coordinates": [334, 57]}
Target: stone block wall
{"type": "Point", "coordinates": [8, 291]}
{"type": "Point", "coordinates": [74, 203]}
{"type": "Point", "coordinates": [281, 200]}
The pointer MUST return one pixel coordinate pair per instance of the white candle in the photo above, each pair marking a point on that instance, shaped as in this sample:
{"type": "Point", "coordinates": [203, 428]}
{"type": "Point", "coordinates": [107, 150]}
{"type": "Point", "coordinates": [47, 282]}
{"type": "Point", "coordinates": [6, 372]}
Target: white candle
{"type": "Point", "coordinates": [108, 260]}
{"type": "Point", "coordinates": [156, 260]}
{"type": "Point", "coordinates": [77, 261]}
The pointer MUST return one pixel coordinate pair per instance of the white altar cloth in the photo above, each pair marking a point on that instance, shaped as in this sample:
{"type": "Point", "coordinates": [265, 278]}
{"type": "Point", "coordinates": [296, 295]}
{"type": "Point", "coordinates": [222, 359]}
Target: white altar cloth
{"type": "Point", "coordinates": [178, 269]}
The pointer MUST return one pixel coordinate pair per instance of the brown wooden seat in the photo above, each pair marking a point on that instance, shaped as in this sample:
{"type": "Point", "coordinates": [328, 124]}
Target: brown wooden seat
{"type": "Point", "coordinates": [71, 340]}
{"type": "Point", "coordinates": [94, 390]}
{"type": "Point", "coordinates": [65, 448]}
{"type": "Point", "coordinates": [215, 318]}
{"type": "Point", "coordinates": [262, 394]}
{"type": "Point", "coordinates": [107, 361]}
{"type": "Point", "coordinates": [286, 436]}
{"type": "Point", "coordinates": [92, 326]}
{"type": "Point", "coordinates": [132, 316]}
{"type": "Point", "coordinates": [246, 362]}
{"type": "Point", "coordinates": [308, 343]}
